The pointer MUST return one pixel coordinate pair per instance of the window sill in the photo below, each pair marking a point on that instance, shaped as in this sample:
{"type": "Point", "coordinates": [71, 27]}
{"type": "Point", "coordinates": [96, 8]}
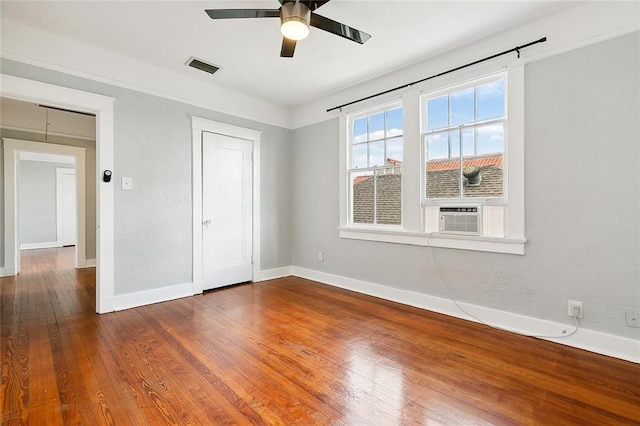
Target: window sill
{"type": "Point", "coordinates": [462, 242]}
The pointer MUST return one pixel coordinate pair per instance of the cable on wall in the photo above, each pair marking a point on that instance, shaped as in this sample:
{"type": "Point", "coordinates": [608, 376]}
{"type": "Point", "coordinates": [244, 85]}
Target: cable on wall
{"type": "Point", "coordinates": [516, 49]}
{"type": "Point", "coordinates": [565, 333]}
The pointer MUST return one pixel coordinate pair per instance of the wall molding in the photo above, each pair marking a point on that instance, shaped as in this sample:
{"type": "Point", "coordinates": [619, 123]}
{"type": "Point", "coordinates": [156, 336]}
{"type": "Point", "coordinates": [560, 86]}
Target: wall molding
{"type": "Point", "coordinates": [590, 340]}
{"type": "Point", "coordinates": [7, 272]}
{"type": "Point", "coordinates": [35, 47]}
{"type": "Point", "coordinates": [88, 263]}
{"type": "Point", "coordinates": [46, 157]}
{"type": "Point", "coordinates": [595, 22]}
{"type": "Point", "coordinates": [36, 246]}
{"type": "Point", "coordinates": [272, 274]}
{"type": "Point", "coordinates": [148, 297]}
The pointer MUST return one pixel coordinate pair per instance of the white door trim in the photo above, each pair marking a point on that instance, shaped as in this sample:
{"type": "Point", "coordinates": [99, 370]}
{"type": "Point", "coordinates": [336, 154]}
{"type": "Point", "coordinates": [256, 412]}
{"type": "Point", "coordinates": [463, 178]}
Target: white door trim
{"type": "Point", "coordinates": [60, 217]}
{"type": "Point", "coordinates": [199, 125]}
{"type": "Point", "coordinates": [12, 150]}
{"type": "Point", "coordinates": [102, 106]}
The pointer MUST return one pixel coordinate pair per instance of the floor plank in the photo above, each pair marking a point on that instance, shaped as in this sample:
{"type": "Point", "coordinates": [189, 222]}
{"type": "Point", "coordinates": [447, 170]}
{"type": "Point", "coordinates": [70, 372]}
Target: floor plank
{"type": "Point", "coordinates": [283, 352]}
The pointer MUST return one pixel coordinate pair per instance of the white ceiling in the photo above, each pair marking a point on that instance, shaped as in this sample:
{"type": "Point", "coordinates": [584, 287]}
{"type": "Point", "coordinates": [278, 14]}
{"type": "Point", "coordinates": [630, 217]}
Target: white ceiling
{"type": "Point", "coordinates": [168, 33]}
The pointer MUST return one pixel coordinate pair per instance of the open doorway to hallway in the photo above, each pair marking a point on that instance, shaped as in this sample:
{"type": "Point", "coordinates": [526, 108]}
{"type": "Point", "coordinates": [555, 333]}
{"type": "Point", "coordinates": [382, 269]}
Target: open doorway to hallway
{"type": "Point", "coordinates": [53, 198]}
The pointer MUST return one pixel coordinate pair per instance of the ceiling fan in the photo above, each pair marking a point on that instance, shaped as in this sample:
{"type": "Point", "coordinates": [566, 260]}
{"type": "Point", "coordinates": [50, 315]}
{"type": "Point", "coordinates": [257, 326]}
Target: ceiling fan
{"type": "Point", "coordinates": [295, 18]}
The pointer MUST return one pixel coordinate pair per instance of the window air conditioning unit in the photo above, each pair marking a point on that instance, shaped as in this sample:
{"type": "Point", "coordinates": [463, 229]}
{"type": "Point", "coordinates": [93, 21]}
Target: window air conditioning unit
{"type": "Point", "coordinates": [460, 220]}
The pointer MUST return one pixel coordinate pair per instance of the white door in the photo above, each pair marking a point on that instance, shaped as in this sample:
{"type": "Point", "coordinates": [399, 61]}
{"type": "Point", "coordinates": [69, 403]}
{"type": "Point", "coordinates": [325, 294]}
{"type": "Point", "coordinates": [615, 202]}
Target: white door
{"type": "Point", "coordinates": [227, 210]}
{"type": "Point", "coordinates": [66, 207]}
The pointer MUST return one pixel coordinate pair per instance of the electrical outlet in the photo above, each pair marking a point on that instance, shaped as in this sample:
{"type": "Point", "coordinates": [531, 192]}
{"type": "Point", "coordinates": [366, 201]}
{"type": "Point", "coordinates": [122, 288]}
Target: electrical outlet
{"type": "Point", "coordinates": [321, 256]}
{"type": "Point", "coordinates": [575, 309]}
{"type": "Point", "coordinates": [633, 318]}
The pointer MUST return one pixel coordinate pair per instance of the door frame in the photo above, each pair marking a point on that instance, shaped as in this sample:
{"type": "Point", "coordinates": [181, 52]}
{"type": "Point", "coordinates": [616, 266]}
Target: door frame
{"type": "Point", "coordinates": [102, 106]}
{"type": "Point", "coordinates": [12, 150]}
{"type": "Point", "coordinates": [60, 216]}
{"type": "Point", "coordinates": [199, 125]}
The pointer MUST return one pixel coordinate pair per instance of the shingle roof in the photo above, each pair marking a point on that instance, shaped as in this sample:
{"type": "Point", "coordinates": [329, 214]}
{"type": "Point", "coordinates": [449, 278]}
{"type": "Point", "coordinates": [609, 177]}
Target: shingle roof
{"type": "Point", "coordinates": [477, 161]}
{"type": "Point", "coordinates": [443, 181]}
{"type": "Point", "coordinates": [389, 200]}
{"type": "Point", "coordinates": [446, 183]}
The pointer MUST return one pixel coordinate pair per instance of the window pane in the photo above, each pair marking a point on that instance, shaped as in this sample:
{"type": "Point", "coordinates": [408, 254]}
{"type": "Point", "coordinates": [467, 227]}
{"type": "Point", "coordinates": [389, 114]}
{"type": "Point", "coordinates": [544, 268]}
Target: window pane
{"type": "Point", "coordinates": [490, 99]}
{"type": "Point", "coordinates": [362, 187]}
{"type": "Point", "coordinates": [389, 196]}
{"type": "Point", "coordinates": [376, 153]}
{"type": "Point", "coordinates": [491, 139]}
{"type": "Point", "coordinates": [468, 143]}
{"type": "Point", "coordinates": [438, 113]}
{"type": "Point", "coordinates": [483, 177]}
{"type": "Point", "coordinates": [360, 130]}
{"type": "Point", "coordinates": [462, 106]}
{"type": "Point", "coordinates": [437, 146]}
{"type": "Point", "coordinates": [443, 179]}
{"type": "Point", "coordinates": [394, 122]}
{"type": "Point", "coordinates": [443, 173]}
{"type": "Point", "coordinates": [359, 158]}
{"type": "Point", "coordinates": [394, 150]}
{"type": "Point", "coordinates": [376, 126]}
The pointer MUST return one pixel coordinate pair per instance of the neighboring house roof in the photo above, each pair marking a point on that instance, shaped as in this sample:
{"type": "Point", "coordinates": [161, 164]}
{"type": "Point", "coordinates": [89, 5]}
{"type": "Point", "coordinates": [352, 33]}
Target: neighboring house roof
{"type": "Point", "coordinates": [483, 161]}
{"type": "Point", "coordinates": [446, 183]}
{"type": "Point", "coordinates": [443, 181]}
{"type": "Point", "coordinates": [443, 177]}
{"type": "Point", "coordinates": [389, 200]}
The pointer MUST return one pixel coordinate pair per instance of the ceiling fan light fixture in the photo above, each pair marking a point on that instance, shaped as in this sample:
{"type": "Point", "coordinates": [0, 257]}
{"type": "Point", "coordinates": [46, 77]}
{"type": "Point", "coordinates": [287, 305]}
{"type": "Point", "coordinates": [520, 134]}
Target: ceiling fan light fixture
{"type": "Point", "coordinates": [294, 29]}
{"type": "Point", "coordinates": [294, 20]}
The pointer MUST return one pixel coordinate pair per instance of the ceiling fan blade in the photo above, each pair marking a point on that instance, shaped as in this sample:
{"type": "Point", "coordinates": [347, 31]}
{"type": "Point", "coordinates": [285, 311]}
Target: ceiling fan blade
{"type": "Point", "coordinates": [242, 13]}
{"type": "Point", "coordinates": [337, 28]}
{"type": "Point", "coordinates": [288, 47]}
{"type": "Point", "coordinates": [314, 4]}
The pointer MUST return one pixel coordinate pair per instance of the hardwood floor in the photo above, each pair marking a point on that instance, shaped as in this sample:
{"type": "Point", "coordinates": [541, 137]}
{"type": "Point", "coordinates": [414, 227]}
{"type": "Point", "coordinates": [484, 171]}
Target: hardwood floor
{"type": "Point", "coordinates": [287, 351]}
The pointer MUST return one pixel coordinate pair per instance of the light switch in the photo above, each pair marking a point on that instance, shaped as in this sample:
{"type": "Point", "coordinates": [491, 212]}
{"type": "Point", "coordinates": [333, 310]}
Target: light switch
{"type": "Point", "coordinates": [127, 183]}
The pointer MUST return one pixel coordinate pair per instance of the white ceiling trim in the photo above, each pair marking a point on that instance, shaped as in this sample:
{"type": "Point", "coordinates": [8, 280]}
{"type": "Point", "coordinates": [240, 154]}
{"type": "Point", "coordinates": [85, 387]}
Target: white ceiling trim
{"type": "Point", "coordinates": [24, 44]}
{"type": "Point", "coordinates": [590, 23]}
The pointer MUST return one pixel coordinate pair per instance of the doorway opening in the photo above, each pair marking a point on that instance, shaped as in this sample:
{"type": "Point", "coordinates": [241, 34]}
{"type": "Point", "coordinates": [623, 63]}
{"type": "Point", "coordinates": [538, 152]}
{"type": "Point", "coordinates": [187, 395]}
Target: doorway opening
{"type": "Point", "coordinates": [102, 107]}
{"type": "Point", "coordinates": [26, 169]}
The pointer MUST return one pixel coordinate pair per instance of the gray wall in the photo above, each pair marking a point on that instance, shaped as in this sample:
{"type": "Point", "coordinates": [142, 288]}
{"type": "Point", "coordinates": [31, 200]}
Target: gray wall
{"type": "Point", "coordinates": [582, 189]}
{"type": "Point", "coordinates": [582, 203]}
{"type": "Point", "coordinates": [90, 182]}
{"type": "Point", "coordinates": [152, 144]}
{"type": "Point", "coordinates": [37, 201]}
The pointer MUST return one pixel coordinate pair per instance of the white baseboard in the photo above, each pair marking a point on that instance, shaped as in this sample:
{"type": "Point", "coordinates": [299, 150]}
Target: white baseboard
{"type": "Point", "coordinates": [271, 274]}
{"type": "Point", "coordinates": [594, 341]}
{"type": "Point", "coordinates": [133, 300]}
{"type": "Point", "coordinates": [7, 272]}
{"type": "Point", "coordinates": [87, 263]}
{"type": "Point", "coordinates": [148, 297]}
{"type": "Point", "coordinates": [35, 246]}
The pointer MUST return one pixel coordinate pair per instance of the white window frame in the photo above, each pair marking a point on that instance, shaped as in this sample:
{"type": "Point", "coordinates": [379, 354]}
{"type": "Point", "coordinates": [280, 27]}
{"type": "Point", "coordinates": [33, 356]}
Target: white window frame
{"type": "Point", "coordinates": [468, 201]}
{"type": "Point", "coordinates": [350, 119]}
{"type": "Point", "coordinates": [413, 210]}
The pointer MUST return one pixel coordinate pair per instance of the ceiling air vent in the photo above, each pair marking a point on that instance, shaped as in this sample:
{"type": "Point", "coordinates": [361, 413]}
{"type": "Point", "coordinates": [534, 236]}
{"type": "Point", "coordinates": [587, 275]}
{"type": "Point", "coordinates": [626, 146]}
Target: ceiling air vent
{"type": "Point", "coordinates": [202, 65]}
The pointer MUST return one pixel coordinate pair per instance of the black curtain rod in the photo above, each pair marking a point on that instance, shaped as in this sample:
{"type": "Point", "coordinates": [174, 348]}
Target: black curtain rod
{"type": "Point", "coordinates": [488, 58]}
